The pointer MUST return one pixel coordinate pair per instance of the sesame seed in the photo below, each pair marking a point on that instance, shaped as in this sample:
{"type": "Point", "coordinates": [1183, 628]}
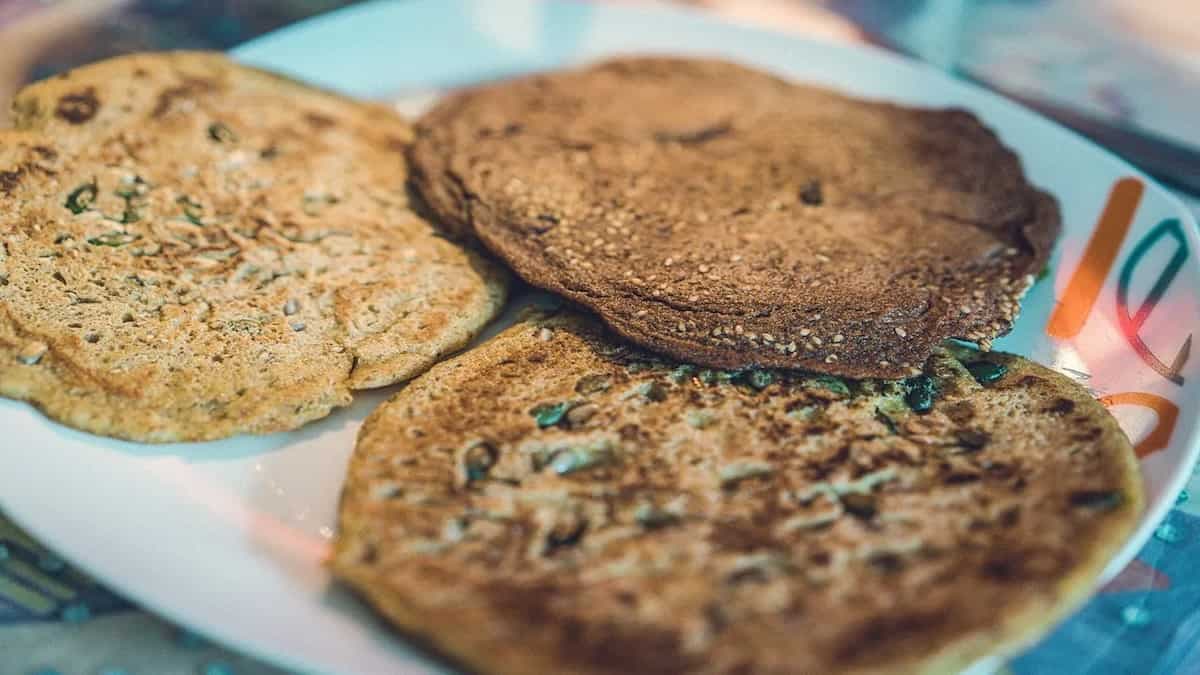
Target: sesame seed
{"type": "Point", "coordinates": [884, 364]}
{"type": "Point", "coordinates": [545, 335]}
{"type": "Point", "coordinates": [736, 258]}
{"type": "Point", "coordinates": [681, 327]}
{"type": "Point", "coordinates": [291, 307]}
{"type": "Point", "coordinates": [642, 312]}
{"type": "Point", "coordinates": [767, 337]}
{"type": "Point", "coordinates": [831, 358]}
{"type": "Point", "coordinates": [839, 337]}
{"type": "Point", "coordinates": [716, 332]}
{"type": "Point", "coordinates": [901, 332]}
{"type": "Point", "coordinates": [752, 336]}
{"type": "Point", "coordinates": [965, 309]}
{"type": "Point", "coordinates": [704, 269]}
{"type": "Point", "coordinates": [693, 298]}
{"type": "Point", "coordinates": [822, 258]}
{"type": "Point", "coordinates": [791, 347]}
{"type": "Point", "coordinates": [738, 329]}
{"type": "Point", "coordinates": [804, 332]}
{"type": "Point", "coordinates": [668, 262]}
{"type": "Point", "coordinates": [817, 341]}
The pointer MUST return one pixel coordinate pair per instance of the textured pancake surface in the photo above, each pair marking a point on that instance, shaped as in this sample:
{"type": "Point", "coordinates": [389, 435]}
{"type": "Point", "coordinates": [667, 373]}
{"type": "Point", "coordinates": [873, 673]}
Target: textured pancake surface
{"type": "Point", "coordinates": [557, 502]}
{"type": "Point", "coordinates": [194, 249]}
{"type": "Point", "coordinates": [724, 216]}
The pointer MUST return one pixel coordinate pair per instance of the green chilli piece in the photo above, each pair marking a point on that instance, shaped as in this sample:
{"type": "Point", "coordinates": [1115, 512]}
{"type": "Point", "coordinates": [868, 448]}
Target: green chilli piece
{"type": "Point", "coordinates": [986, 372]}
{"type": "Point", "coordinates": [834, 384]}
{"type": "Point", "coordinates": [81, 198]}
{"type": "Point", "coordinates": [114, 238]}
{"type": "Point", "coordinates": [920, 392]}
{"type": "Point", "coordinates": [191, 210]}
{"type": "Point", "coordinates": [760, 379]}
{"type": "Point", "coordinates": [549, 414]}
{"type": "Point", "coordinates": [221, 133]}
{"type": "Point", "coordinates": [682, 373]}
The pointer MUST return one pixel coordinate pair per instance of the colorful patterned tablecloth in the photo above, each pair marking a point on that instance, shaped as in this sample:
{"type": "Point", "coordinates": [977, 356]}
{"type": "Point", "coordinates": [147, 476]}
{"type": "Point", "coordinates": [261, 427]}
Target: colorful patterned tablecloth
{"type": "Point", "coordinates": [54, 620]}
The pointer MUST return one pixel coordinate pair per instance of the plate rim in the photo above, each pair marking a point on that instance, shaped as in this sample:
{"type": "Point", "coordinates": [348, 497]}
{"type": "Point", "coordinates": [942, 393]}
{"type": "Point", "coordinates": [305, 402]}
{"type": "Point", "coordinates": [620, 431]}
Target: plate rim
{"type": "Point", "coordinates": [252, 51]}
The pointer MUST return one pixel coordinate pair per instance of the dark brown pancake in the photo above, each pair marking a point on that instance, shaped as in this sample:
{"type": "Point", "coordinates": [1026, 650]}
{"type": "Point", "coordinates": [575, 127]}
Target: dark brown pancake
{"type": "Point", "coordinates": [729, 218]}
{"type": "Point", "coordinates": [554, 502]}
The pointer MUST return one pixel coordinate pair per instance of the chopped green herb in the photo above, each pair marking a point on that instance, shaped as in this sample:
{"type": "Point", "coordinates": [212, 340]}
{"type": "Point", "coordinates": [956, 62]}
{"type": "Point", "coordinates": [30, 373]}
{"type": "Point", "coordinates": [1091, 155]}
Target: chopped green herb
{"type": "Point", "coordinates": [699, 419]}
{"type": "Point", "coordinates": [582, 457]}
{"type": "Point", "coordinates": [549, 414]}
{"type": "Point", "coordinates": [221, 133]}
{"type": "Point", "coordinates": [920, 392]}
{"type": "Point", "coordinates": [708, 376]}
{"type": "Point", "coordinates": [1043, 274]}
{"type": "Point", "coordinates": [114, 238]}
{"type": "Point", "coordinates": [760, 379]}
{"type": "Point", "coordinates": [986, 372]}
{"type": "Point", "coordinates": [477, 459]}
{"type": "Point", "coordinates": [652, 391]}
{"type": "Point", "coordinates": [732, 474]}
{"type": "Point", "coordinates": [834, 384]}
{"type": "Point", "coordinates": [682, 373]}
{"type": "Point", "coordinates": [651, 517]}
{"type": "Point", "coordinates": [865, 483]}
{"type": "Point", "coordinates": [191, 210]}
{"type": "Point", "coordinates": [81, 198]}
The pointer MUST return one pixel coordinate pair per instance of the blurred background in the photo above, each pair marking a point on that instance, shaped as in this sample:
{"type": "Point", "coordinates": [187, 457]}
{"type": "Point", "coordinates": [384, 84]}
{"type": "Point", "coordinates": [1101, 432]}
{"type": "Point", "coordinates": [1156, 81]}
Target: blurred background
{"type": "Point", "coordinates": [1125, 72]}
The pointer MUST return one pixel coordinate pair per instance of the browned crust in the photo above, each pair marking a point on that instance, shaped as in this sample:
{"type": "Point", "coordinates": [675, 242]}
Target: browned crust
{"type": "Point", "coordinates": [557, 174]}
{"type": "Point", "coordinates": [498, 614]}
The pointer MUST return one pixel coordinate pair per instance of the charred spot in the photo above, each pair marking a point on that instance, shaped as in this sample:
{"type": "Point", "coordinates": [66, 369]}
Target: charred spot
{"type": "Point", "coordinates": [878, 633]}
{"type": "Point", "coordinates": [1060, 406]}
{"type": "Point", "coordinates": [739, 536]}
{"type": "Point", "coordinates": [1009, 516]}
{"type": "Point", "coordinates": [959, 475]}
{"type": "Point", "coordinates": [860, 505]}
{"type": "Point", "coordinates": [886, 562]}
{"type": "Point", "coordinates": [696, 136]}
{"type": "Point", "coordinates": [512, 129]}
{"type": "Point", "coordinates": [78, 107]}
{"type": "Point", "coordinates": [1098, 500]}
{"type": "Point", "coordinates": [960, 412]}
{"type": "Point", "coordinates": [45, 153]}
{"type": "Point", "coordinates": [811, 193]}
{"type": "Point", "coordinates": [1088, 435]}
{"type": "Point", "coordinates": [10, 179]}
{"type": "Point", "coordinates": [998, 470]}
{"type": "Point", "coordinates": [1030, 381]}
{"type": "Point", "coordinates": [750, 575]}
{"type": "Point", "coordinates": [545, 223]}
{"type": "Point", "coordinates": [166, 99]}
{"type": "Point", "coordinates": [140, 73]}
{"type": "Point", "coordinates": [973, 440]}
{"type": "Point", "coordinates": [319, 121]}
{"type": "Point", "coordinates": [630, 432]}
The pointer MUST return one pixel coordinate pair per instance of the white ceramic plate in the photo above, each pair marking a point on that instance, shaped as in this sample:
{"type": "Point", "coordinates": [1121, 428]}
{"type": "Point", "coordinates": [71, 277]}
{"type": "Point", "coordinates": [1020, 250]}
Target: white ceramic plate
{"type": "Point", "coordinates": [229, 537]}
